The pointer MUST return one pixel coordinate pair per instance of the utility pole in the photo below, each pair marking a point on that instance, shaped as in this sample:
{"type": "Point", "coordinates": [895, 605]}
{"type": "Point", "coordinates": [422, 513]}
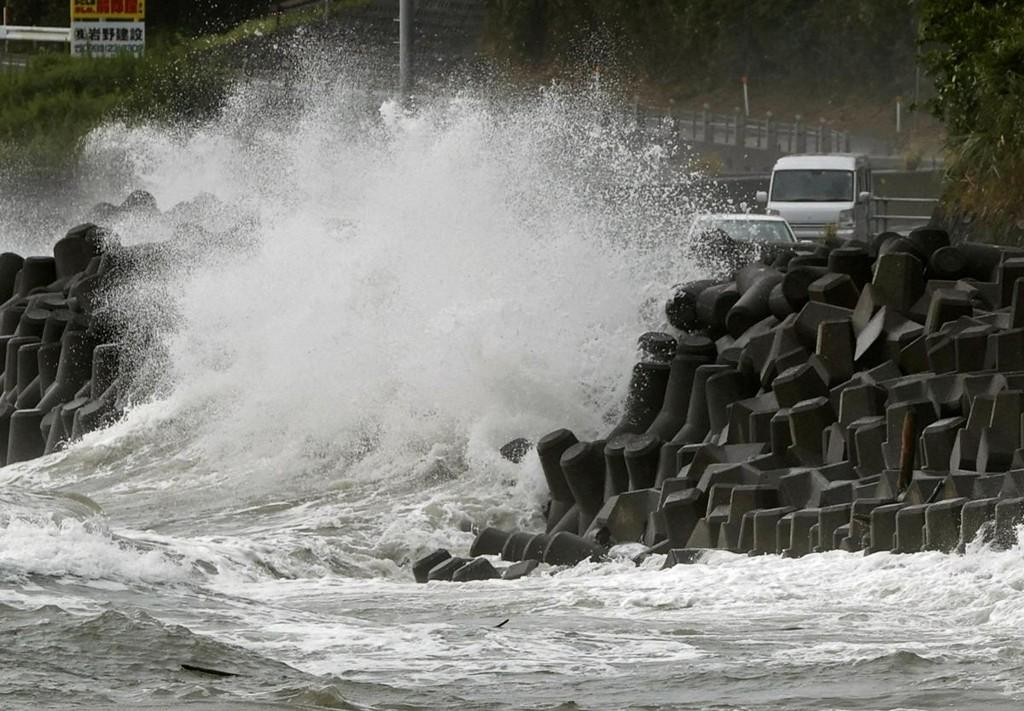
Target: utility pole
{"type": "Point", "coordinates": [405, 48]}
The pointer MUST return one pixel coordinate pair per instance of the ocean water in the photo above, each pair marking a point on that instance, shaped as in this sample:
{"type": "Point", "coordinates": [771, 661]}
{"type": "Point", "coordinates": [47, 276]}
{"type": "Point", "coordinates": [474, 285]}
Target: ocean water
{"type": "Point", "coordinates": [355, 310]}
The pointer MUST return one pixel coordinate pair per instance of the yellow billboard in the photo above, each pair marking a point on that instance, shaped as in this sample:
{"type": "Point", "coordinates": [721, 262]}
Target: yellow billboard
{"type": "Point", "coordinates": [108, 10]}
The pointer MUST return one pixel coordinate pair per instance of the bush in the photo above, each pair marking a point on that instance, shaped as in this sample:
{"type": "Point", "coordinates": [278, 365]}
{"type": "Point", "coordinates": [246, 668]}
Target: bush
{"type": "Point", "coordinates": [974, 51]}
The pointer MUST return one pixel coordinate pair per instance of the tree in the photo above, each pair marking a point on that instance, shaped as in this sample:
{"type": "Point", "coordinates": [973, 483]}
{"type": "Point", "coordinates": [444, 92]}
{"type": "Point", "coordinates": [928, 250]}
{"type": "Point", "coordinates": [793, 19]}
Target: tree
{"type": "Point", "coordinates": [974, 51]}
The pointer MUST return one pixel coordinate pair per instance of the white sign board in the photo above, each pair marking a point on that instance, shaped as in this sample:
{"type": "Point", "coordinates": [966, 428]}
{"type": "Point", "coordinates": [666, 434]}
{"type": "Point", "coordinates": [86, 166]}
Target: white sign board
{"type": "Point", "coordinates": [107, 39]}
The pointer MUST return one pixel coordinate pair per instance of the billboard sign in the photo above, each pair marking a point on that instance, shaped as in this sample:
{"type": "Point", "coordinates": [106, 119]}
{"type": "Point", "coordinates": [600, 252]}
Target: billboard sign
{"type": "Point", "coordinates": [108, 10]}
{"type": "Point", "coordinates": [107, 39]}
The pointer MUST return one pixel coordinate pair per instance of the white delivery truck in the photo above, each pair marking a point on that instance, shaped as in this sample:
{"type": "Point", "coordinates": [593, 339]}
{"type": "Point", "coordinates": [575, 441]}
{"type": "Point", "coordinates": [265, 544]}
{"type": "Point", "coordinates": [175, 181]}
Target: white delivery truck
{"type": "Point", "coordinates": [821, 194]}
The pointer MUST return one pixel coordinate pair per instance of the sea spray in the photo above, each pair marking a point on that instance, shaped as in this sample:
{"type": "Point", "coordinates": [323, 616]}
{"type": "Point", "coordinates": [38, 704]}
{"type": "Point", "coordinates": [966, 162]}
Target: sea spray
{"type": "Point", "coordinates": [388, 296]}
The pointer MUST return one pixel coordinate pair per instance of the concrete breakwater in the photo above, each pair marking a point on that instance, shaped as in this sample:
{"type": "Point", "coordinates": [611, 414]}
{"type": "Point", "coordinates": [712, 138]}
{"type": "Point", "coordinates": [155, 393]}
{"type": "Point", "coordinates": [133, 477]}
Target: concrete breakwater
{"type": "Point", "coordinates": [860, 397]}
{"type": "Point", "coordinates": [61, 356]}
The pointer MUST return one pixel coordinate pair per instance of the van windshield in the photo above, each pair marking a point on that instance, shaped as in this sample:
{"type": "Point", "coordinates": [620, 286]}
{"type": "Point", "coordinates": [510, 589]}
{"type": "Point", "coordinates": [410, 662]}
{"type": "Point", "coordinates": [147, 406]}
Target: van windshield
{"type": "Point", "coordinates": [812, 186]}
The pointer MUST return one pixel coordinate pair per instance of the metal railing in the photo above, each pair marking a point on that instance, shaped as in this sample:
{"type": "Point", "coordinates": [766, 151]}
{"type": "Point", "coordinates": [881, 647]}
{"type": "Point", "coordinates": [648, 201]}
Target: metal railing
{"type": "Point", "coordinates": [766, 134]}
{"type": "Point", "coordinates": [882, 215]}
{"type": "Point", "coordinates": [35, 34]}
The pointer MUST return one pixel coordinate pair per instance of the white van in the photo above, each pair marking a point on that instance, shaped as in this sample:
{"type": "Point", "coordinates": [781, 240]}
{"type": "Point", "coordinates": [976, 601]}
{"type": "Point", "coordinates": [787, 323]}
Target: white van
{"type": "Point", "coordinates": [818, 194]}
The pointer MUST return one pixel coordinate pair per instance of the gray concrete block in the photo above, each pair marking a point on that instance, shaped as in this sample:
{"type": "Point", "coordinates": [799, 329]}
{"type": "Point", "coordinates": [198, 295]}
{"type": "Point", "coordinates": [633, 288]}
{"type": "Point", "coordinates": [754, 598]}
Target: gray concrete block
{"type": "Point", "coordinates": [835, 347]}
{"type": "Point", "coordinates": [753, 305]}
{"type": "Point", "coordinates": [870, 349]}
{"type": "Point", "coordinates": [796, 283]}
{"type": "Point", "coordinates": [970, 348]}
{"type": "Point", "coordinates": [696, 427]}
{"type": "Point", "coordinates": [800, 523]}
{"type": "Point", "coordinates": [728, 537]}
{"type": "Point", "coordinates": [924, 489]}
{"type": "Point", "coordinates": [947, 263]}
{"type": "Point", "coordinates": [1013, 484]}
{"type": "Point", "coordinates": [714, 303]}
{"type": "Point", "coordinates": [683, 556]}
{"type": "Point", "coordinates": [811, 316]}
{"type": "Point", "coordinates": [861, 401]}
{"type": "Point", "coordinates": [422, 567]}
{"type": "Point", "coordinates": [624, 517]}
{"type": "Point", "coordinates": [942, 525]}
{"type": "Point", "coordinates": [1007, 274]}
{"type": "Point", "coordinates": [802, 382]}
{"type": "Point", "coordinates": [1009, 347]}
{"type": "Point", "coordinates": [941, 353]}
{"type": "Point", "coordinates": [720, 391]}
{"type": "Point", "coordinates": [475, 570]}
{"type": "Point", "coordinates": [835, 290]}
{"type": "Point", "coordinates": [780, 431]}
{"type": "Point", "coordinates": [1009, 517]}
{"type": "Point", "coordinates": [937, 441]}
{"type": "Point", "coordinates": [489, 541]}
{"type": "Point", "coordinates": [766, 538]}
{"type": "Point", "coordinates": [831, 518]}
{"type": "Point", "coordinates": [681, 511]}
{"type": "Point", "coordinates": [869, 439]}
{"type": "Point", "coordinates": [681, 307]}
{"type": "Point", "coordinates": [977, 521]}
{"type": "Point", "coordinates": [536, 546]}
{"type": "Point", "coordinates": [898, 280]}
{"type": "Point", "coordinates": [909, 529]}
{"type": "Point", "coordinates": [807, 419]}
{"type": "Point", "coordinates": [520, 570]}
{"type": "Point", "coordinates": [883, 528]}
{"type": "Point", "coordinates": [515, 546]}
{"type": "Point", "coordinates": [746, 498]}
{"type": "Point", "coordinates": [704, 535]}
{"type": "Point", "coordinates": [584, 467]}
{"type": "Point", "coordinates": [444, 570]}
{"type": "Point", "coordinates": [913, 357]}
{"type": "Point", "coordinates": [957, 485]}
{"type": "Point", "coordinates": [616, 475]}
{"type": "Point", "coordinates": [834, 443]}
{"type": "Point", "coordinates": [853, 261]}
{"type": "Point", "coordinates": [987, 486]}
{"type": "Point", "coordinates": [569, 549]}
{"type": "Point", "coordinates": [900, 332]}
{"type": "Point", "coordinates": [1017, 304]}
{"type": "Point", "coordinates": [641, 459]}
{"type": "Point", "coordinates": [645, 398]}
{"type": "Point", "coordinates": [947, 305]}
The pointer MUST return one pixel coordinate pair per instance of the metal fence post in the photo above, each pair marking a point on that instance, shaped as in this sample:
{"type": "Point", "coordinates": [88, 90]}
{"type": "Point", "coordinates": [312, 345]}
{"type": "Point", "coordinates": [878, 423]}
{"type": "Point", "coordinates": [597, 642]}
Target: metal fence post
{"type": "Point", "coordinates": [406, 9]}
{"type": "Point", "coordinates": [705, 119]}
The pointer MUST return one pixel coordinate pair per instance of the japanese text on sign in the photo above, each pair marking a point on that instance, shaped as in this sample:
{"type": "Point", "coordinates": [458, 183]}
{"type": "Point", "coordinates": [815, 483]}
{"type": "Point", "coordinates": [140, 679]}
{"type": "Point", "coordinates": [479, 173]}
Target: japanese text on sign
{"type": "Point", "coordinates": [108, 10]}
{"type": "Point", "coordinates": [107, 39]}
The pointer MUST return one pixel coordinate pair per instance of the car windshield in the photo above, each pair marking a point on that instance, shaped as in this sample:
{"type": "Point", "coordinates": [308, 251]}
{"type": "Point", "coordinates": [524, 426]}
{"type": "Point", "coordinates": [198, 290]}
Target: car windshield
{"type": "Point", "coordinates": [748, 230]}
{"type": "Point", "coordinates": [812, 186]}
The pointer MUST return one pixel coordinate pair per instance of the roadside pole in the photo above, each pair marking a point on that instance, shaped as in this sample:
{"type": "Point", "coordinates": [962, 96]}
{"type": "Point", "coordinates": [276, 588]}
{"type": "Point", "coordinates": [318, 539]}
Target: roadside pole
{"type": "Point", "coordinates": [405, 49]}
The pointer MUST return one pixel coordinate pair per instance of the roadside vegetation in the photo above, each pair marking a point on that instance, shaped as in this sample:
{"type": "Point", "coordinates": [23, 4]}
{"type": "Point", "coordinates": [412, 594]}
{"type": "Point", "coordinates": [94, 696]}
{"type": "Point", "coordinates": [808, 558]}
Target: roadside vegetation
{"type": "Point", "coordinates": [975, 53]}
{"type": "Point", "coordinates": [49, 107]}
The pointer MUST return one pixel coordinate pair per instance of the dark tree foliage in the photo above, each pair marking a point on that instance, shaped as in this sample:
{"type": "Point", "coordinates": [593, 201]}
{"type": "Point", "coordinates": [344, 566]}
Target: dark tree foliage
{"type": "Point", "coordinates": [974, 51]}
{"type": "Point", "coordinates": [818, 42]}
{"type": "Point", "coordinates": [188, 17]}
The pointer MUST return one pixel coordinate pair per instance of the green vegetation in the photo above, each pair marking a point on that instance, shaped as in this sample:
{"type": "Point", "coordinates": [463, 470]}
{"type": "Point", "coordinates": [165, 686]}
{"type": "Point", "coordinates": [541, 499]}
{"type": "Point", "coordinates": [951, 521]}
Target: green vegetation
{"type": "Point", "coordinates": [974, 51]}
{"type": "Point", "coordinates": [818, 43]}
{"type": "Point", "coordinates": [47, 109]}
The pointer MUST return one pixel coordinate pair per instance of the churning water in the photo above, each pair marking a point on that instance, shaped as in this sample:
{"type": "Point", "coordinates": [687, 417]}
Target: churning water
{"type": "Point", "coordinates": [361, 308]}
